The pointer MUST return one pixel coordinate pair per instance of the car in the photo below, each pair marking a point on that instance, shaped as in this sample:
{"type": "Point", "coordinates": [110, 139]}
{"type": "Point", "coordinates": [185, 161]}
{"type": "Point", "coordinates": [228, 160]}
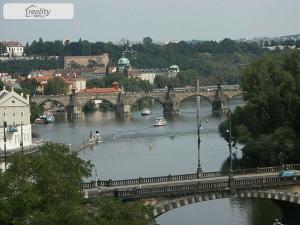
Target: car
{"type": "Point", "coordinates": [289, 173]}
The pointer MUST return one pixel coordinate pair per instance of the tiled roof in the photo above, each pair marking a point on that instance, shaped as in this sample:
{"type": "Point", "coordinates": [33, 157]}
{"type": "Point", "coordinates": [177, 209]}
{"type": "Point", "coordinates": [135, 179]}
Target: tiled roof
{"type": "Point", "coordinates": [11, 44]}
{"type": "Point", "coordinates": [100, 90]}
{"type": "Point", "coordinates": [42, 79]}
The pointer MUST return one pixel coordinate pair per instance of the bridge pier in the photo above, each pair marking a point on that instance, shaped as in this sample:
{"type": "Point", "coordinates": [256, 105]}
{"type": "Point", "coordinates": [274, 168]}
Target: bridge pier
{"type": "Point", "coordinates": [123, 109]}
{"type": "Point", "coordinates": [171, 108]}
{"type": "Point", "coordinates": [74, 112]}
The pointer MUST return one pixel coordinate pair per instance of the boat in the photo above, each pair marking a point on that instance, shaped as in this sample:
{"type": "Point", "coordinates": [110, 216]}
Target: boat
{"type": "Point", "coordinates": [160, 121]}
{"type": "Point", "coordinates": [39, 121]}
{"type": "Point", "coordinates": [146, 111]}
{"type": "Point", "coordinates": [49, 119]}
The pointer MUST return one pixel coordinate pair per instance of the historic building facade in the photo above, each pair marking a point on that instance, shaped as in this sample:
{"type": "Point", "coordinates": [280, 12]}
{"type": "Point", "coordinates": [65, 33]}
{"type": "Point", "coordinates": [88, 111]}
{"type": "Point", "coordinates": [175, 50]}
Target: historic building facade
{"type": "Point", "coordinates": [15, 124]}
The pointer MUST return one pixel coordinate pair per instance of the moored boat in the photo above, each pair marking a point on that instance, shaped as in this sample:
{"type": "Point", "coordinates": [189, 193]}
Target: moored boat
{"type": "Point", "coordinates": [49, 119]}
{"type": "Point", "coordinates": [39, 121]}
{"type": "Point", "coordinates": [146, 111]}
{"type": "Point", "coordinates": [160, 121]}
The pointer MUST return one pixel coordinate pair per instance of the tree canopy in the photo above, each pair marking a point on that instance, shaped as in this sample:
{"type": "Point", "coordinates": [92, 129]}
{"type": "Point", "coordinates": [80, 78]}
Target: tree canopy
{"type": "Point", "coordinates": [56, 86]}
{"type": "Point", "coordinates": [268, 126]}
{"type": "Point", "coordinates": [45, 189]}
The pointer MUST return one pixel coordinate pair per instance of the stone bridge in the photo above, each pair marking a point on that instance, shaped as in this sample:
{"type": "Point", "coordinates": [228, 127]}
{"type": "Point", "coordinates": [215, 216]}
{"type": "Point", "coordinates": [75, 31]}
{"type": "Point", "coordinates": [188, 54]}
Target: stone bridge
{"type": "Point", "coordinates": [171, 192]}
{"type": "Point", "coordinates": [123, 102]}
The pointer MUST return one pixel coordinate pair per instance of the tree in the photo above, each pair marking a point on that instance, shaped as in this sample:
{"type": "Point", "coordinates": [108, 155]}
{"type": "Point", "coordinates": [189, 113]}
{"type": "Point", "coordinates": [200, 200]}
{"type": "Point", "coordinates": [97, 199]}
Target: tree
{"type": "Point", "coordinates": [92, 63]}
{"type": "Point", "coordinates": [268, 126]}
{"type": "Point", "coordinates": [35, 111]}
{"type": "Point", "coordinates": [147, 41]}
{"type": "Point", "coordinates": [297, 43]}
{"type": "Point", "coordinates": [114, 212]}
{"type": "Point", "coordinates": [56, 86]}
{"type": "Point", "coordinates": [2, 49]}
{"type": "Point", "coordinates": [29, 86]}
{"type": "Point", "coordinates": [1, 85]}
{"type": "Point", "coordinates": [44, 188]}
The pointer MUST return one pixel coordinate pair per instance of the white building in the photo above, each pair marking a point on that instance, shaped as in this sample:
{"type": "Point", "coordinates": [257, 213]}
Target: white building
{"type": "Point", "coordinates": [13, 48]}
{"type": "Point", "coordinates": [6, 78]}
{"type": "Point", "coordinates": [14, 120]}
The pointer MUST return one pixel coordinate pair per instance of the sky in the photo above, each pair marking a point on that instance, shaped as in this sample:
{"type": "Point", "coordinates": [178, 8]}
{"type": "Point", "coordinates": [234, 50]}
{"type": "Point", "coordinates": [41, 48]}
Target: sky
{"type": "Point", "coordinates": [162, 20]}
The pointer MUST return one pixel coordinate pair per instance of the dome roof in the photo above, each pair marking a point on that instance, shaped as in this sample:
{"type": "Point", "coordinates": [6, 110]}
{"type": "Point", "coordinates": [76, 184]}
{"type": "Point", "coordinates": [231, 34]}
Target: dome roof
{"type": "Point", "coordinates": [123, 61]}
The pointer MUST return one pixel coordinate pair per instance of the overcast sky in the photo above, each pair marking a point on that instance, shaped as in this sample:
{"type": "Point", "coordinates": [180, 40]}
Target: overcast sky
{"type": "Point", "coordinates": [163, 20]}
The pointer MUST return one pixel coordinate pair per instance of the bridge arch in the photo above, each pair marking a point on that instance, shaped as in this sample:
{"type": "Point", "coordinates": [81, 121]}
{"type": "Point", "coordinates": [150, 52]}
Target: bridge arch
{"type": "Point", "coordinates": [58, 103]}
{"type": "Point", "coordinates": [135, 101]}
{"type": "Point", "coordinates": [99, 98]}
{"type": "Point", "coordinates": [164, 206]}
{"type": "Point", "coordinates": [50, 100]}
{"type": "Point", "coordinates": [185, 98]}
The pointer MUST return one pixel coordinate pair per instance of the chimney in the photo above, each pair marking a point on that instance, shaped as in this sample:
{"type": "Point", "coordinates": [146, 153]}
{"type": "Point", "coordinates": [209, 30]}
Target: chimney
{"type": "Point", "coordinates": [22, 95]}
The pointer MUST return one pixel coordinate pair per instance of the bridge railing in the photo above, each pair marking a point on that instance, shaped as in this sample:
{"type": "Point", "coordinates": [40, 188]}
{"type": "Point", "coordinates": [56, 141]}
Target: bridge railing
{"type": "Point", "coordinates": [170, 178]}
{"type": "Point", "coordinates": [260, 183]}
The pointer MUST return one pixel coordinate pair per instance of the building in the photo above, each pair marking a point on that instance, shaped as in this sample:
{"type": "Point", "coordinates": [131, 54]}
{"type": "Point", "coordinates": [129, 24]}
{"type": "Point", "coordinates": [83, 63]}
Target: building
{"type": "Point", "coordinates": [15, 120]}
{"type": "Point", "coordinates": [13, 48]}
{"type": "Point", "coordinates": [76, 84]}
{"type": "Point", "coordinates": [6, 78]}
{"type": "Point", "coordinates": [84, 61]}
{"type": "Point", "coordinates": [42, 81]}
{"type": "Point", "coordinates": [114, 89]}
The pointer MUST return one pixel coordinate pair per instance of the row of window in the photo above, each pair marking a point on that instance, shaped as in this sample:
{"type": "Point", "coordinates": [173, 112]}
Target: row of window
{"type": "Point", "coordinates": [15, 49]}
{"type": "Point", "coordinates": [14, 114]}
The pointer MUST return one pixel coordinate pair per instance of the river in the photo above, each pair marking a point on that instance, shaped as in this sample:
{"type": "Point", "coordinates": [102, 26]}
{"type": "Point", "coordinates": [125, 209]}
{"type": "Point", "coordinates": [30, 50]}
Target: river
{"type": "Point", "coordinates": [134, 148]}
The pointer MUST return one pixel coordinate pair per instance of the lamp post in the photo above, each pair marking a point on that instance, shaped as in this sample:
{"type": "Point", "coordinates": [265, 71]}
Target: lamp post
{"type": "Point", "coordinates": [4, 138]}
{"type": "Point", "coordinates": [199, 171]}
{"type": "Point", "coordinates": [22, 144]}
{"type": "Point", "coordinates": [229, 144]}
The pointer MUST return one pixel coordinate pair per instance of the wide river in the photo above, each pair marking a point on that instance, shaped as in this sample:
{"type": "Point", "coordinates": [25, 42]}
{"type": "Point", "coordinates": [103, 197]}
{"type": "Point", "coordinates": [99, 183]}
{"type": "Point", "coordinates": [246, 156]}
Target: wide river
{"type": "Point", "coordinates": [126, 153]}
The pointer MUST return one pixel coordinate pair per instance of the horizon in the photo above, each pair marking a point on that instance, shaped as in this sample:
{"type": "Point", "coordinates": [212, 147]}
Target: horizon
{"type": "Point", "coordinates": [113, 20]}
{"type": "Point", "coordinates": [117, 42]}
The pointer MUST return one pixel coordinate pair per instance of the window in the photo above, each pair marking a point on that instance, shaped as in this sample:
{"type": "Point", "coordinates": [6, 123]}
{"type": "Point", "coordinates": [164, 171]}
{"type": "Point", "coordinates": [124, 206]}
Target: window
{"type": "Point", "coordinates": [14, 114]}
{"type": "Point", "coordinates": [21, 113]}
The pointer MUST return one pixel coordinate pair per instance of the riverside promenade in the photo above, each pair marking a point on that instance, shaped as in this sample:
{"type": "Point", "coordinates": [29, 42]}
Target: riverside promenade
{"type": "Point", "coordinates": [37, 142]}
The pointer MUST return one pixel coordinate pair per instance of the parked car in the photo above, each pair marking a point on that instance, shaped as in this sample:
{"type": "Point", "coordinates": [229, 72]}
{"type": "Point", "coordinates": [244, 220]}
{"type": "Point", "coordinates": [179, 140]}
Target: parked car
{"type": "Point", "coordinates": [289, 173]}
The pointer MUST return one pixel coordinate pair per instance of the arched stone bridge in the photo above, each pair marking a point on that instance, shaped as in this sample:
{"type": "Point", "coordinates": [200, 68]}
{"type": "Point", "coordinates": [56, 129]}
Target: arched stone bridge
{"type": "Point", "coordinates": [171, 192]}
{"type": "Point", "coordinates": [123, 102]}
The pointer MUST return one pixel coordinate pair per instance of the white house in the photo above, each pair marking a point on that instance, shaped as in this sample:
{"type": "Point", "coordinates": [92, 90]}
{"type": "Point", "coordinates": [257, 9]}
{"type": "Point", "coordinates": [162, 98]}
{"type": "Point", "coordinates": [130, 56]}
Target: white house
{"type": "Point", "coordinates": [15, 124]}
{"type": "Point", "coordinates": [13, 48]}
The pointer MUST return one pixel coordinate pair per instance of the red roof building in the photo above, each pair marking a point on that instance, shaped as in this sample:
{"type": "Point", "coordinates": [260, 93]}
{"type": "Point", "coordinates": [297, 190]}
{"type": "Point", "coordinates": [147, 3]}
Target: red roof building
{"type": "Point", "coordinates": [114, 89]}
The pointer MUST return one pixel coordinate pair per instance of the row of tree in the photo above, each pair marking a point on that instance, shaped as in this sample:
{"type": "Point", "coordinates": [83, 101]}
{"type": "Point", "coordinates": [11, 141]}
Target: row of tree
{"type": "Point", "coordinates": [24, 67]}
{"type": "Point", "coordinates": [268, 126]}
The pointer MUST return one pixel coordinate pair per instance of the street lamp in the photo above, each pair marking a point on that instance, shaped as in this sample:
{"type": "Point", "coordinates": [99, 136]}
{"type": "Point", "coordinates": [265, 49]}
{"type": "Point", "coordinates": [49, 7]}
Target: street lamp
{"type": "Point", "coordinates": [229, 144]}
{"type": "Point", "coordinates": [199, 171]}
{"type": "Point", "coordinates": [22, 144]}
{"type": "Point", "coordinates": [4, 138]}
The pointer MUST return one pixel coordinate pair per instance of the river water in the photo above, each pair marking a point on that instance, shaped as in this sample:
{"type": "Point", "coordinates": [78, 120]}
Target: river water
{"type": "Point", "coordinates": [134, 148]}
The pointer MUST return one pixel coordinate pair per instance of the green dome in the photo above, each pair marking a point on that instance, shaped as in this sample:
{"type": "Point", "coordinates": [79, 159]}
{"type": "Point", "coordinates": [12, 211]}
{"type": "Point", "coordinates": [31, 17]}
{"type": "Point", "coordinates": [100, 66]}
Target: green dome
{"type": "Point", "coordinates": [123, 61]}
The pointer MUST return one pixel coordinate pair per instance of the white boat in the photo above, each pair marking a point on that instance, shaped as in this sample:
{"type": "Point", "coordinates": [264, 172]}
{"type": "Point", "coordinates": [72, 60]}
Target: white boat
{"type": "Point", "coordinates": [146, 111]}
{"type": "Point", "coordinates": [160, 121]}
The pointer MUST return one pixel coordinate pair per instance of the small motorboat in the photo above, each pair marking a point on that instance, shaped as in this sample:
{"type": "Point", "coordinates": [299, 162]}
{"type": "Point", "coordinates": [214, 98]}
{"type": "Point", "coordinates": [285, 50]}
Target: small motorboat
{"type": "Point", "coordinates": [160, 121]}
{"type": "Point", "coordinates": [49, 119]}
{"type": "Point", "coordinates": [146, 112]}
{"type": "Point", "coordinates": [39, 121]}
